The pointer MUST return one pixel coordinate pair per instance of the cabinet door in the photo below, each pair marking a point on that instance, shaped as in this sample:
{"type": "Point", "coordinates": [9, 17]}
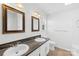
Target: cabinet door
{"type": "Point", "coordinates": [44, 49]}
{"type": "Point", "coordinates": [35, 53]}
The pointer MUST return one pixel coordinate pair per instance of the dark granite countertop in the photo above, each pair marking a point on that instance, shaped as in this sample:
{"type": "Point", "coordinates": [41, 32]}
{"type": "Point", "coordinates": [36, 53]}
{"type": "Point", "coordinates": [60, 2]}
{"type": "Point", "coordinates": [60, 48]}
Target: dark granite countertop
{"type": "Point", "coordinates": [33, 45]}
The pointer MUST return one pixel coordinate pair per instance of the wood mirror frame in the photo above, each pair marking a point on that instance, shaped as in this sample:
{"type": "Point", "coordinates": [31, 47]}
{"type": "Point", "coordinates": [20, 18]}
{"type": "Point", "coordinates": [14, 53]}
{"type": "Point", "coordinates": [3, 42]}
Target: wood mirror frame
{"type": "Point", "coordinates": [4, 17]}
{"type": "Point", "coordinates": [35, 18]}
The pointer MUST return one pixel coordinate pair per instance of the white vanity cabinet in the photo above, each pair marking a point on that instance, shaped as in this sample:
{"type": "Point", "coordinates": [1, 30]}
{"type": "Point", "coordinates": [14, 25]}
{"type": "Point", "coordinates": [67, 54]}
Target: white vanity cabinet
{"type": "Point", "coordinates": [41, 51]}
{"type": "Point", "coordinates": [35, 53]}
{"type": "Point", "coordinates": [44, 49]}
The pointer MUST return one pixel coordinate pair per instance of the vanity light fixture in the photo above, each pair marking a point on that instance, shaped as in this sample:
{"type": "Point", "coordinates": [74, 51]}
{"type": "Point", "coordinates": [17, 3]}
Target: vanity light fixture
{"type": "Point", "coordinates": [36, 14]}
{"type": "Point", "coordinates": [19, 5]}
{"type": "Point", "coordinates": [67, 3]}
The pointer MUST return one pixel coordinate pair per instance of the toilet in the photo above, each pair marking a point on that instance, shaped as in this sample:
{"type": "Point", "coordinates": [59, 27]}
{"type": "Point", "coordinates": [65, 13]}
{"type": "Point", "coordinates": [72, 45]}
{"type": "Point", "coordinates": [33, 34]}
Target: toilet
{"type": "Point", "coordinates": [51, 42]}
{"type": "Point", "coordinates": [75, 50]}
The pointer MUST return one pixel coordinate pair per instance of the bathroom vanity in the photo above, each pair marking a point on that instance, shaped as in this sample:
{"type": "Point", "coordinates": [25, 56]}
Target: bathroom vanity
{"type": "Point", "coordinates": [35, 48]}
{"type": "Point", "coordinates": [14, 22]}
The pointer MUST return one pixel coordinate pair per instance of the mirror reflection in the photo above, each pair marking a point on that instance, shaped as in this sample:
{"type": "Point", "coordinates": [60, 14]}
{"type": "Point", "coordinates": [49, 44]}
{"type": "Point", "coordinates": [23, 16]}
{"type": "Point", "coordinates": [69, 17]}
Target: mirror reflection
{"type": "Point", "coordinates": [14, 20]}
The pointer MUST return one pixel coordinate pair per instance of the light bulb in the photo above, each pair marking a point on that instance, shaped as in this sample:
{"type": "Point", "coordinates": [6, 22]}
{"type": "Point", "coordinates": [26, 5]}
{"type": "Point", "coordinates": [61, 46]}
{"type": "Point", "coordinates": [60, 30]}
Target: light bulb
{"type": "Point", "coordinates": [67, 3]}
{"type": "Point", "coordinates": [19, 5]}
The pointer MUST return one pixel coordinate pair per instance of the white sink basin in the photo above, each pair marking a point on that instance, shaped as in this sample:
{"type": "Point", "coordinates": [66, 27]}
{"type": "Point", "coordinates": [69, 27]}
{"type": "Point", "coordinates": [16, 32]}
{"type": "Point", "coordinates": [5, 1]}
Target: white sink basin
{"type": "Point", "coordinates": [40, 40]}
{"type": "Point", "coordinates": [17, 50]}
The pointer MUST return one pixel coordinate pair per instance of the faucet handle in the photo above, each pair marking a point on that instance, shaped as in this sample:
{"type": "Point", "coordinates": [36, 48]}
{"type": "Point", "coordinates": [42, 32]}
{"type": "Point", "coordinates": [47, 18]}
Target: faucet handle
{"type": "Point", "coordinates": [11, 45]}
{"type": "Point", "coordinates": [18, 43]}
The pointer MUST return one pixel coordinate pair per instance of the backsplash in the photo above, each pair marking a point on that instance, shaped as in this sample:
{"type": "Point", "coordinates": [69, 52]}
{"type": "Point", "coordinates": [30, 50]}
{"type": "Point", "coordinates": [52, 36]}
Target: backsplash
{"type": "Point", "coordinates": [10, 44]}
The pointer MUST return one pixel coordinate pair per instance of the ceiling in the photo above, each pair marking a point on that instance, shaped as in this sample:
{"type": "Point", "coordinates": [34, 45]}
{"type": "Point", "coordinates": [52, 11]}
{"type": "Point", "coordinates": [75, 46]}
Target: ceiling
{"type": "Point", "coordinates": [52, 8]}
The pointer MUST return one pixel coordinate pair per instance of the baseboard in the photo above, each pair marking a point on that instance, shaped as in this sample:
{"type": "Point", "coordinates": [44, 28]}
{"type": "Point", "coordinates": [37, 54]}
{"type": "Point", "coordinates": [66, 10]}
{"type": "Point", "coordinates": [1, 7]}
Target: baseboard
{"type": "Point", "coordinates": [64, 48]}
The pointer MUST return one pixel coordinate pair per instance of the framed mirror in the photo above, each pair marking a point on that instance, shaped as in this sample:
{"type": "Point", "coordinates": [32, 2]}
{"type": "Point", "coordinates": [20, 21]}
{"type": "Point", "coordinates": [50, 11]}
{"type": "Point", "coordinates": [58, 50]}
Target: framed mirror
{"type": "Point", "coordinates": [13, 20]}
{"type": "Point", "coordinates": [35, 24]}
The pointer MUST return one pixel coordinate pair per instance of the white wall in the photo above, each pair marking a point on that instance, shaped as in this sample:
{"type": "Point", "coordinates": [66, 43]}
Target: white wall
{"type": "Point", "coordinates": [62, 28]}
{"type": "Point", "coordinates": [27, 8]}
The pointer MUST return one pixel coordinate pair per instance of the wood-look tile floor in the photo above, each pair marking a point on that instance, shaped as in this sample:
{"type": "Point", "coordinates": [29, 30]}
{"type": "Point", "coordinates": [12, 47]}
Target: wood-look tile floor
{"type": "Point", "coordinates": [59, 52]}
